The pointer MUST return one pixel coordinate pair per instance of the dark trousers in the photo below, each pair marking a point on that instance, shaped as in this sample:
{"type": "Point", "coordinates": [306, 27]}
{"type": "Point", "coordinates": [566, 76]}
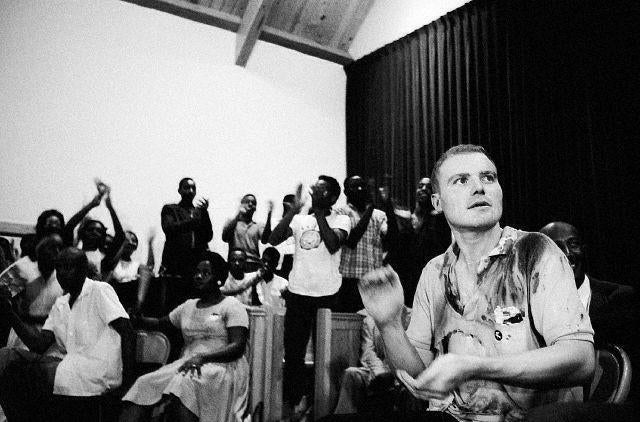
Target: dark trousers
{"type": "Point", "coordinates": [299, 323]}
{"type": "Point", "coordinates": [26, 385]}
{"type": "Point", "coordinates": [348, 297]}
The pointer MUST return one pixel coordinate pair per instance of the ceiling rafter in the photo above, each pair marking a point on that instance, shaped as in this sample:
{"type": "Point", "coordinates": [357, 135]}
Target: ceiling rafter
{"type": "Point", "coordinates": [253, 24]}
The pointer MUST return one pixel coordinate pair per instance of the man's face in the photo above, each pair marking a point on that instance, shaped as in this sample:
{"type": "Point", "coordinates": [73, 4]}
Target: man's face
{"type": "Point", "coordinates": [423, 192]}
{"type": "Point", "coordinates": [187, 190]}
{"type": "Point", "coordinates": [249, 203]}
{"type": "Point", "coordinates": [52, 224]}
{"type": "Point", "coordinates": [470, 195]}
{"type": "Point", "coordinates": [94, 232]}
{"type": "Point", "coordinates": [321, 187]}
{"type": "Point", "coordinates": [69, 276]}
{"type": "Point", "coordinates": [356, 191]}
{"type": "Point", "coordinates": [236, 261]}
{"type": "Point", "coordinates": [570, 243]}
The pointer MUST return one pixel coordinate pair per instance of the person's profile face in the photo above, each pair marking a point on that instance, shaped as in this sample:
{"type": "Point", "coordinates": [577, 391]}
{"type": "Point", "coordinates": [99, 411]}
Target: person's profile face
{"type": "Point", "coordinates": [470, 195]}
{"type": "Point", "coordinates": [187, 190]}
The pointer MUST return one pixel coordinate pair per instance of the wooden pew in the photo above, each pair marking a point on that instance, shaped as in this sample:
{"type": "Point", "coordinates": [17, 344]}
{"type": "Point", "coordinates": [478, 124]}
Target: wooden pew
{"type": "Point", "coordinates": [337, 348]}
{"type": "Point", "coordinates": [265, 352]}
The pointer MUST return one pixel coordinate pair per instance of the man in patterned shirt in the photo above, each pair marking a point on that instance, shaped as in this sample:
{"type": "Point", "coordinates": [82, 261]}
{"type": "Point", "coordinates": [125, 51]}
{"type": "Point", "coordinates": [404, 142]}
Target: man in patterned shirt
{"type": "Point", "coordinates": [497, 326]}
{"type": "Point", "coordinates": [362, 250]}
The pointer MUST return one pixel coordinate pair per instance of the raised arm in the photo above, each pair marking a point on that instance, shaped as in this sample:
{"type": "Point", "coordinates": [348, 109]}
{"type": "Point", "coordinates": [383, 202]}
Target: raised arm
{"type": "Point", "coordinates": [266, 232]}
{"type": "Point", "coordinates": [67, 232]}
{"type": "Point", "coordinates": [358, 231]}
{"type": "Point", "coordinates": [332, 238]}
{"type": "Point", "coordinates": [229, 228]}
{"type": "Point", "coordinates": [118, 238]}
{"type": "Point", "coordinates": [383, 298]}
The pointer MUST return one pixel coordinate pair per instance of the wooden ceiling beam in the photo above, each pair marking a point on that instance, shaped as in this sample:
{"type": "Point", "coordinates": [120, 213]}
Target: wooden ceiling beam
{"type": "Point", "coordinates": [194, 12]}
{"type": "Point", "coordinates": [250, 28]}
{"type": "Point", "coordinates": [305, 46]}
{"type": "Point", "coordinates": [206, 15]}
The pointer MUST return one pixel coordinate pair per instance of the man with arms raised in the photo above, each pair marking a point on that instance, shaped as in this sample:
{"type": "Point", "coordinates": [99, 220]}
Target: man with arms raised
{"type": "Point", "coordinates": [497, 326]}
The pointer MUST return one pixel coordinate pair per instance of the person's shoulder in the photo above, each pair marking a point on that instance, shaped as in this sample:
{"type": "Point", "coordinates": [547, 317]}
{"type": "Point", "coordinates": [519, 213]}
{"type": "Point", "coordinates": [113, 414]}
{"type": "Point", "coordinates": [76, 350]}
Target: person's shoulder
{"type": "Point", "coordinates": [532, 245]}
{"type": "Point", "coordinates": [231, 302]}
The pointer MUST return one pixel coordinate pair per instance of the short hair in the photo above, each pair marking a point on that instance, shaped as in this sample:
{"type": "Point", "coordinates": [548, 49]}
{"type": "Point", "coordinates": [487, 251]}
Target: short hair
{"type": "Point", "coordinates": [49, 243]}
{"type": "Point", "coordinates": [76, 256]}
{"type": "Point", "coordinates": [289, 198]}
{"type": "Point", "coordinates": [455, 150]}
{"type": "Point", "coordinates": [271, 253]}
{"type": "Point", "coordinates": [42, 219]}
{"type": "Point", "coordinates": [183, 180]}
{"type": "Point", "coordinates": [334, 186]}
{"type": "Point", "coordinates": [219, 267]}
{"type": "Point", "coordinates": [249, 194]}
{"type": "Point", "coordinates": [83, 227]}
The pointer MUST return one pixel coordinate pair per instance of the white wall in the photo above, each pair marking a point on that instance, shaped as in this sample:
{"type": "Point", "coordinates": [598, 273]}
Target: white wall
{"type": "Point", "coordinates": [141, 99]}
{"type": "Point", "coordinates": [389, 20]}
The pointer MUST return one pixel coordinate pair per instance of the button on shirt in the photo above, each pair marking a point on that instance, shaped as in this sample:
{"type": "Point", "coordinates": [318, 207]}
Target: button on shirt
{"type": "Point", "coordinates": [93, 360]}
{"type": "Point", "coordinates": [525, 298]}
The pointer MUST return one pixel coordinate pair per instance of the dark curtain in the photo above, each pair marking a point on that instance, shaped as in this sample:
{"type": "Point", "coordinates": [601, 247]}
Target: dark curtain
{"type": "Point", "coordinates": [548, 87]}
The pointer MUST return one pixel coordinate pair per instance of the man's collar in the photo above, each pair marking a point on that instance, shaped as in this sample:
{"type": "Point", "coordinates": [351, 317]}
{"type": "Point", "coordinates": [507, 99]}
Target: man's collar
{"type": "Point", "coordinates": [507, 239]}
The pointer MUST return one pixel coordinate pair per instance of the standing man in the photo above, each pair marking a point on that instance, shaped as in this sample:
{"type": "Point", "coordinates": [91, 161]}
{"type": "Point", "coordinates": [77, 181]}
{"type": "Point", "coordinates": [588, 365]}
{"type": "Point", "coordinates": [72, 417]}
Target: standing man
{"type": "Point", "coordinates": [241, 232]}
{"type": "Point", "coordinates": [314, 279]}
{"type": "Point", "coordinates": [362, 250]}
{"type": "Point", "coordinates": [187, 228]}
{"type": "Point", "coordinates": [497, 326]}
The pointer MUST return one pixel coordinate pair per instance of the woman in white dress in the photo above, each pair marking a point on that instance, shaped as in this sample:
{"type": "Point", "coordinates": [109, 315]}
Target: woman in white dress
{"type": "Point", "coordinates": [211, 379]}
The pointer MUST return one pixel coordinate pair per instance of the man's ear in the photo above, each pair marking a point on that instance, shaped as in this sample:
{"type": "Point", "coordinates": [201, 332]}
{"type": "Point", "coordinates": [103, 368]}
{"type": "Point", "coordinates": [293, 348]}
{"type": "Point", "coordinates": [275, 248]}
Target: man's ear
{"type": "Point", "coordinates": [435, 201]}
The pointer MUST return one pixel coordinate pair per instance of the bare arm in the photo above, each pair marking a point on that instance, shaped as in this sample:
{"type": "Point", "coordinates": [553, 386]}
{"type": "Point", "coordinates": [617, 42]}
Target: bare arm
{"type": "Point", "coordinates": [358, 231]}
{"type": "Point", "coordinates": [128, 347]}
{"type": "Point", "coordinates": [242, 284]}
{"type": "Point", "coordinates": [118, 238]}
{"type": "Point", "coordinates": [565, 363]}
{"type": "Point", "coordinates": [331, 238]}
{"type": "Point", "coordinates": [229, 228]}
{"type": "Point", "coordinates": [37, 341]}
{"type": "Point", "coordinates": [67, 232]}
{"type": "Point", "coordinates": [237, 341]}
{"type": "Point", "coordinates": [282, 231]}
{"type": "Point", "coordinates": [266, 232]}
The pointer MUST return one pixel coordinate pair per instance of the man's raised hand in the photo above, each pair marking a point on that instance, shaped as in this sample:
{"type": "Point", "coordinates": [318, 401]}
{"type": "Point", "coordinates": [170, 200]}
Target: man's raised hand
{"type": "Point", "coordinates": [382, 295]}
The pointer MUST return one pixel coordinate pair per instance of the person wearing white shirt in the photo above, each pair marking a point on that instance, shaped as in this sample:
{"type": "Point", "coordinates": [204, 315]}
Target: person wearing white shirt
{"type": "Point", "coordinates": [88, 323]}
{"type": "Point", "coordinates": [315, 277]}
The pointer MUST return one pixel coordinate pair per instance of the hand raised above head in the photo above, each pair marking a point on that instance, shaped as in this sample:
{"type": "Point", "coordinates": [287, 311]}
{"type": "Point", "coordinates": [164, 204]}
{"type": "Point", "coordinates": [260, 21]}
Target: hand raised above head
{"type": "Point", "coordinates": [382, 295]}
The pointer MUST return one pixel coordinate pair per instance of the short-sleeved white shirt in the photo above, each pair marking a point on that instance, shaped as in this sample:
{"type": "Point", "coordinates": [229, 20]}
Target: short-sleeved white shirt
{"type": "Point", "coordinates": [315, 270]}
{"type": "Point", "coordinates": [93, 360]}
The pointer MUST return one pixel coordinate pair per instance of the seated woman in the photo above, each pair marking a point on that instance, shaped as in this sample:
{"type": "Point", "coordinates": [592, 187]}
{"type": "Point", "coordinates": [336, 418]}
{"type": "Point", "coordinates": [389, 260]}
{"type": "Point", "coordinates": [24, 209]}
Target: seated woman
{"type": "Point", "coordinates": [129, 278]}
{"type": "Point", "coordinates": [211, 379]}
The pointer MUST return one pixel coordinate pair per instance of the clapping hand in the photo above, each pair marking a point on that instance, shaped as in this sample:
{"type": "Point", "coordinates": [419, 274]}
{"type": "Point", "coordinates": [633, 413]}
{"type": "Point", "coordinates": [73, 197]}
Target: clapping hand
{"type": "Point", "coordinates": [202, 203]}
{"type": "Point", "coordinates": [382, 295]}
{"type": "Point", "coordinates": [440, 378]}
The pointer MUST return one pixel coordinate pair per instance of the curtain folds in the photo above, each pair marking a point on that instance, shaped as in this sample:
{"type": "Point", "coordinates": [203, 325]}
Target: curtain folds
{"type": "Point", "coordinates": [545, 86]}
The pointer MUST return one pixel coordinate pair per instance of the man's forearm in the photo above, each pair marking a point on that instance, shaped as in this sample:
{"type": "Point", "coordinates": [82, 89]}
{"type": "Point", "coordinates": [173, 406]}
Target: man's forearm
{"type": "Point", "coordinates": [330, 239]}
{"type": "Point", "coordinates": [566, 363]}
{"type": "Point", "coordinates": [33, 338]}
{"type": "Point", "coordinates": [399, 349]}
{"type": "Point", "coordinates": [228, 229]}
{"type": "Point", "coordinates": [279, 233]}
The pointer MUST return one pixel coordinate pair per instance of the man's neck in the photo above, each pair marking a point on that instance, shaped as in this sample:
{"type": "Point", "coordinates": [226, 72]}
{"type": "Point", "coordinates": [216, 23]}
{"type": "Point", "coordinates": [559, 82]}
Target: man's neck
{"type": "Point", "coordinates": [185, 203]}
{"type": "Point", "coordinates": [475, 245]}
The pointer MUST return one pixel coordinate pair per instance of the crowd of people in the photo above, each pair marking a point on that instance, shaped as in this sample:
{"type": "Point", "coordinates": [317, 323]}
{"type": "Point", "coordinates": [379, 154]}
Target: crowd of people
{"type": "Point", "coordinates": [483, 322]}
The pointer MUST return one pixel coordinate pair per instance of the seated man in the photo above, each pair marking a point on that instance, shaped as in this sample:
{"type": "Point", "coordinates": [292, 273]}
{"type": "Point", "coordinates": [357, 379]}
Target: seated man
{"type": "Point", "coordinates": [88, 323]}
{"type": "Point", "coordinates": [609, 305]}
{"type": "Point", "coordinates": [496, 325]}
{"type": "Point", "coordinates": [374, 375]}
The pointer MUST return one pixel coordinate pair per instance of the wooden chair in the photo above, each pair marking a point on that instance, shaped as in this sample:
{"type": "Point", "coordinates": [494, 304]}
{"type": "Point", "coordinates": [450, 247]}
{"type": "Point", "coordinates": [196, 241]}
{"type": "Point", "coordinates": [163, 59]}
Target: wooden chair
{"type": "Point", "coordinates": [265, 353]}
{"type": "Point", "coordinates": [337, 348]}
{"type": "Point", "coordinates": [612, 379]}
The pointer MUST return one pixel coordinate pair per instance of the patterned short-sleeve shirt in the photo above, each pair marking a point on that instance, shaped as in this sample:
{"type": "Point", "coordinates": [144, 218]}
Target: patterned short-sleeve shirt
{"type": "Point", "coordinates": [367, 255]}
{"type": "Point", "coordinates": [525, 298]}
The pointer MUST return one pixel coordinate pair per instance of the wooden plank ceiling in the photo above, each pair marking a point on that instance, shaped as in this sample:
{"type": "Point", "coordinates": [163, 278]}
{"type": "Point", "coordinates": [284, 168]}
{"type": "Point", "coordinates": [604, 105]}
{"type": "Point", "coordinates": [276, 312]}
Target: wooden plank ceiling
{"type": "Point", "coordinates": [320, 28]}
